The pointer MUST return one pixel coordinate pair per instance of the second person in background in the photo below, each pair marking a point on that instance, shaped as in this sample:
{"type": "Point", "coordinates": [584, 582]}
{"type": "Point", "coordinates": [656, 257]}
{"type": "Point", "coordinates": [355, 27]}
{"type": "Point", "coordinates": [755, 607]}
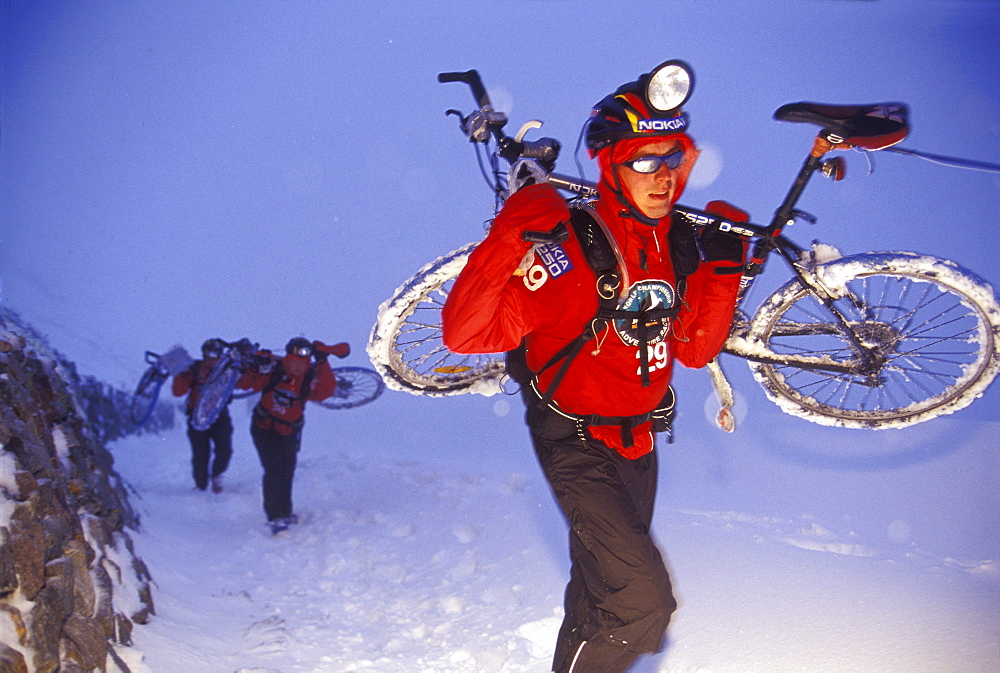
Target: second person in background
{"type": "Point", "coordinates": [286, 384]}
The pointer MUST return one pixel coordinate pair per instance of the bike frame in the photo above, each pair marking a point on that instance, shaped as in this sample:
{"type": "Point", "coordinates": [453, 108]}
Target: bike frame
{"type": "Point", "coordinates": [485, 125]}
{"type": "Point", "coordinates": [869, 340]}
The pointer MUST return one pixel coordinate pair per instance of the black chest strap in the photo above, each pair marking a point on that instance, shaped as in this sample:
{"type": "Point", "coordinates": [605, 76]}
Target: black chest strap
{"type": "Point", "coordinates": [603, 261]}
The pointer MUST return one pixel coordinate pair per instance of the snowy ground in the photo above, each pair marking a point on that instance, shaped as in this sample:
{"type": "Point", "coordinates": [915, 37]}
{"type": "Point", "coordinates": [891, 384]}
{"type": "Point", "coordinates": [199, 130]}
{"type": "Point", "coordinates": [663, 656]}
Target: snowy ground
{"type": "Point", "coordinates": [442, 551]}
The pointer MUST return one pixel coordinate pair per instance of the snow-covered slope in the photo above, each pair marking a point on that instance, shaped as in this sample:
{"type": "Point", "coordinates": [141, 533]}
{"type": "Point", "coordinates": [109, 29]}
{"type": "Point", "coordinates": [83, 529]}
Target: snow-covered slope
{"type": "Point", "coordinates": [413, 564]}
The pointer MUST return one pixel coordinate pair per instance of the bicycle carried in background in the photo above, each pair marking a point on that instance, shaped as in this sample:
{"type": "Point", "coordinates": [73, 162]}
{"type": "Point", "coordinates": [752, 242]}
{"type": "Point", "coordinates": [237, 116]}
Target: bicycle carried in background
{"type": "Point", "coordinates": [871, 340]}
{"type": "Point", "coordinates": [355, 385]}
{"type": "Point", "coordinates": [148, 391]}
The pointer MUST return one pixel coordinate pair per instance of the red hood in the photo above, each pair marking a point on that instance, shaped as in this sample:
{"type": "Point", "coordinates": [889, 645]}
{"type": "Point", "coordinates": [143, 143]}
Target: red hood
{"type": "Point", "coordinates": [623, 149]}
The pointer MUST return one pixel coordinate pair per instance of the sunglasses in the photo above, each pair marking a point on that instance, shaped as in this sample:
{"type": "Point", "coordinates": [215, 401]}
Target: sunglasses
{"type": "Point", "coordinates": [652, 162]}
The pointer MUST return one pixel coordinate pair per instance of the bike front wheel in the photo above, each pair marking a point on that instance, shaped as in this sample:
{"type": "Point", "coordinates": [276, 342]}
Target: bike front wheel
{"type": "Point", "coordinates": [406, 347]}
{"type": "Point", "coordinates": [146, 394]}
{"type": "Point", "coordinates": [932, 328]}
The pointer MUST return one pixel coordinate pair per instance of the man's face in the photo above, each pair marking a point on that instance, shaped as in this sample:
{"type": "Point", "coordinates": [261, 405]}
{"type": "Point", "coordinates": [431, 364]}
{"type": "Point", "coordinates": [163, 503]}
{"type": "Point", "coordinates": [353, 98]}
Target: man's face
{"type": "Point", "coordinates": [296, 366]}
{"type": "Point", "coordinates": [653, 193]}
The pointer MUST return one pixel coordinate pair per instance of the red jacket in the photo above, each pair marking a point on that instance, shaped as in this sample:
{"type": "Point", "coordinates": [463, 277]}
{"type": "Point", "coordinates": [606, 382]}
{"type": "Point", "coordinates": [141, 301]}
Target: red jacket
{"type": "Point", "coordinates": [282, 404]}
{"type": "Point", "coordinates": [491, 308]}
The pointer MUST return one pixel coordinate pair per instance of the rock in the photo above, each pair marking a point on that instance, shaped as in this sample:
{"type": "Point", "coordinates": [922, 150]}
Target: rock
{"type": "Point", "coordinates": [65, 549]}
{"type": "Point", "coordinates": [83, 643]}
{"type": "Point", "coordinates": [11, 661]}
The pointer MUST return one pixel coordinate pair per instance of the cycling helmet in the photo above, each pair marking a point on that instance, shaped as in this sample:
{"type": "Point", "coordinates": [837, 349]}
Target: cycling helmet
{"type": "Point", "coordinates": [299, 346]}
{"type": "Point", "coordinates": [213, 347]}
{"type": "Point", "coordinates": [647, 107]}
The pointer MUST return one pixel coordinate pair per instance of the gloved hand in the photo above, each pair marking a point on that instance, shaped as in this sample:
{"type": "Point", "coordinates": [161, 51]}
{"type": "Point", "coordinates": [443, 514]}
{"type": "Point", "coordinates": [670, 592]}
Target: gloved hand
{"type": "Point", "coordinates": [723, 246]}
{"type": "Point", "coordinates": [536, 208]}
{"type": "Point", "coordinates": [321, 351]}
{"type": "Point", "coordinates": [263, 361]}
{"type": "Point", "coordinates": [525, 172]}
{"type": "Point", "coordinates": [243, 352]}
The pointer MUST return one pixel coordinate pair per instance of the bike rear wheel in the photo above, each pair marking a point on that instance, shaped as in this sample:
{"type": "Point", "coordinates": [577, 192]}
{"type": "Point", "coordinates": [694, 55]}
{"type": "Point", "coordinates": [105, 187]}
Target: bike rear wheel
{"type": "Point", "coordinates": [406, 347]}
{"type": "Point", "coordinates": [934, 326]}
{"type": "Point", "coordinates": [355, 386]}
{"type": "Point", "coordinates": [146, 395]}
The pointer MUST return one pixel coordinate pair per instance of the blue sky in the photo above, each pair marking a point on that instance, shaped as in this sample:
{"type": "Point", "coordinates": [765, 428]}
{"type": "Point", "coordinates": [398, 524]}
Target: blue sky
{"type": "Point", "coordinates": [179, 170]}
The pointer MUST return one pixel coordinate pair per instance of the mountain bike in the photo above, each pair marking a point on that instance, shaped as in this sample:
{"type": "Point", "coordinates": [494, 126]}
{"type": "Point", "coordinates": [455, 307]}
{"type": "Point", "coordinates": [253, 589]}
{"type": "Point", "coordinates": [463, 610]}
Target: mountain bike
{"type": "Point", "coordinates": [870, 340]}
{"type": "Point", "coordinates": [356, 386]}
{"type": "Point", "coordinates": [217, 389]}
{"type": "Point", "coordinates": [148, 390]}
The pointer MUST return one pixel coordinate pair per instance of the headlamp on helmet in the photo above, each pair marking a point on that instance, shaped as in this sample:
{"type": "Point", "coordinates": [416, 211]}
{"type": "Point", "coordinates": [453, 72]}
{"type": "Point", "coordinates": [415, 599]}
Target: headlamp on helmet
{"type": "Point", "coordinates": [299, 346]}
{"type": "Point", "coordinates": [649, 106]}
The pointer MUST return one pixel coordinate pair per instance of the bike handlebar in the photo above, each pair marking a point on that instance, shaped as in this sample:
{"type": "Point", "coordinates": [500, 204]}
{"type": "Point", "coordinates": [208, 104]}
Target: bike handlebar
{"type": "Point", "coordinates": [475, 82]}
{"type": "Point", "coordinates": [545, 150]}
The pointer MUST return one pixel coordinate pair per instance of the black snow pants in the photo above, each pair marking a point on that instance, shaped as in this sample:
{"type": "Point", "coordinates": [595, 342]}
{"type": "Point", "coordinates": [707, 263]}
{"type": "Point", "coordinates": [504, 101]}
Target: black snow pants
{"type": "Point", "coordinates": [278, 454]}
{"type": "Point", "coordinates": [217, 440]}
{"type": "Point", "coordinates": [619, 598]}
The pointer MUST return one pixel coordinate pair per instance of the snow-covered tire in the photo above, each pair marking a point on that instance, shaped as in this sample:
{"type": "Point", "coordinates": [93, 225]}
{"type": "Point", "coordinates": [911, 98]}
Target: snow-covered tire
{"type": "Point", "coordinates": [936, 325]}
{"type": "Point", "coordinates": [406, 347]}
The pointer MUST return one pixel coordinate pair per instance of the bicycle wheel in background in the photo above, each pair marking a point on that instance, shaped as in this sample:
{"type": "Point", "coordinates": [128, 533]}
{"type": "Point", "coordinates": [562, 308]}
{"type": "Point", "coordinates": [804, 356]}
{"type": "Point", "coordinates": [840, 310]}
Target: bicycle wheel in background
{"type": "Point", "coordinates": [355, 386]}
{"type": "Point", "coordinates": [406, 347]}
{"type": "Point", "coordinates": [146, 394]}
{"type": "Point", "coordinates": [935, 325]}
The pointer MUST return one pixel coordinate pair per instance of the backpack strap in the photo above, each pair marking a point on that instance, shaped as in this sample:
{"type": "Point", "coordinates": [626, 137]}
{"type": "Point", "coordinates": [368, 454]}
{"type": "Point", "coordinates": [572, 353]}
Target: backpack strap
{"type": "Point", "coordinates": [685, 253]}
{"type": "Point", "coordinates": [603, 261]}
{"type": "Point", "coordinates": [279, 372]}
{"type": "Point", "coordinates": [275, 378]}
{"type": "Point", "coordinates": [606, 261]}
{"type": "Point", "coordinates": [272, 383]}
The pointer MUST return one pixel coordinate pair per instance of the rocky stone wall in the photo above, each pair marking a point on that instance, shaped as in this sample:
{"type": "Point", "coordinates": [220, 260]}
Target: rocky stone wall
{"type": "Point", "coordinates": [71, 586]}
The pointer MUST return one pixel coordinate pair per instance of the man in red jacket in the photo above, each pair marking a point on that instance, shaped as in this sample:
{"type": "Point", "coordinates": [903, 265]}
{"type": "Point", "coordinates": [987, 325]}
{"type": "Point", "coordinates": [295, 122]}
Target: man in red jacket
{"type": "Point", "coordinates": [286, 385]}
{"type": "Point", "coordinates": [592, 421]}
{"type": "Point", "coordinates": [217, 439]}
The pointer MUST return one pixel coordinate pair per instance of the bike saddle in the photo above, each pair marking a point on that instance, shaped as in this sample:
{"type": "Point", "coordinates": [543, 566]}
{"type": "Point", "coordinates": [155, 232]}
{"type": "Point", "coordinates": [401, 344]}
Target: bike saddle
{"type": "Point", "coordinates": [872, 127]}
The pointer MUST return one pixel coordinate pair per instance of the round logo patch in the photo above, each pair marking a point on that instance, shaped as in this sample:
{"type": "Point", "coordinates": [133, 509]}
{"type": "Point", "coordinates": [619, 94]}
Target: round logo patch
{"type": "Point", "coordinates": [642, 296]}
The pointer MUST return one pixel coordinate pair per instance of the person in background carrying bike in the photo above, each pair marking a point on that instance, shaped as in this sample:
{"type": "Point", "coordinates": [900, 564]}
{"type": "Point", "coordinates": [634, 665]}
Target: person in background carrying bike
{"type": "Point", "coordinates": [216, 443]}
{"type": "Point", "coordinates": [592, 422]}
{"type": "Point", "coordinates": [286, 384]}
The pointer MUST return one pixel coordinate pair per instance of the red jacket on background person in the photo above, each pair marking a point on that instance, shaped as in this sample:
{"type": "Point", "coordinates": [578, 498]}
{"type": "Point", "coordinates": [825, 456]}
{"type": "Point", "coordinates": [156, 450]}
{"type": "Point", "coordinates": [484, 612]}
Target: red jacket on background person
{"type": "Point", "coordinates": [190, 381]}
{"type": "Point", "coordinates": [282, 404]}
{"type": "Point", "coordinates": [492, 307]}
